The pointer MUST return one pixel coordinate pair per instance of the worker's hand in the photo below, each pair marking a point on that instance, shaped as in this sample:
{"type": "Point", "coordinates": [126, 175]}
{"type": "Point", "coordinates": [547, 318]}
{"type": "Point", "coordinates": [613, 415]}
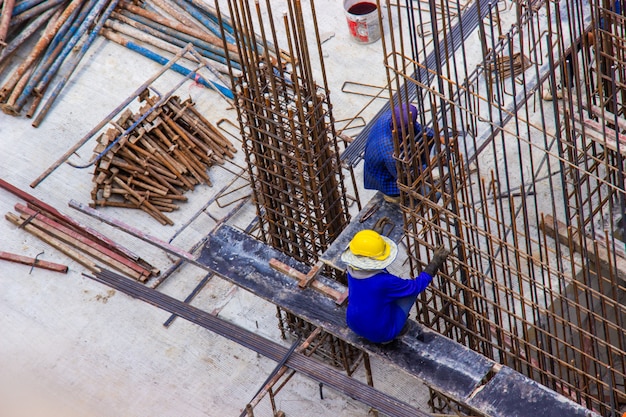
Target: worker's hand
{"type": "Point", "coordinates": [441, 253]}
{"type": "Point", "coordinates": [451, 140]}
{"type": "Point", "coordinates": [439, 257]}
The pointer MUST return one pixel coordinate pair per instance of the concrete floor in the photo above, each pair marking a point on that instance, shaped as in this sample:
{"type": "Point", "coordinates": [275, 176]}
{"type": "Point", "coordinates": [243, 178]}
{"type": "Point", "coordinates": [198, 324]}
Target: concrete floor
{"type": "Point", "coordinates": [72, 347]}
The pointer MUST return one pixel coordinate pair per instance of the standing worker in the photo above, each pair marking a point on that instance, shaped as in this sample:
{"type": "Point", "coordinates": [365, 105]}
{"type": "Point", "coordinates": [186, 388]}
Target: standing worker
{"type": "Point", "coordinates": [379, 171]}
{"type": "Point", "coordinates": [379, 302]}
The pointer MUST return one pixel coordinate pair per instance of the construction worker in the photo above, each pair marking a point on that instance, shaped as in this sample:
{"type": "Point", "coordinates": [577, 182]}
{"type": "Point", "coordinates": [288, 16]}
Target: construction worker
{"type": "Point", "coordinates": [379, 302]}
{"type": "Point", "coordinates": [379, 171]}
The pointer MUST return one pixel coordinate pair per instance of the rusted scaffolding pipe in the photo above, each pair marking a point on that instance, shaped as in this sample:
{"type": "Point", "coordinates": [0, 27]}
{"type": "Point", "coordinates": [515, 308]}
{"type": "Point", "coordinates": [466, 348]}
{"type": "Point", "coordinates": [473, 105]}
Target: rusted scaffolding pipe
{"type": "Point", "coordinates": [5, 20]}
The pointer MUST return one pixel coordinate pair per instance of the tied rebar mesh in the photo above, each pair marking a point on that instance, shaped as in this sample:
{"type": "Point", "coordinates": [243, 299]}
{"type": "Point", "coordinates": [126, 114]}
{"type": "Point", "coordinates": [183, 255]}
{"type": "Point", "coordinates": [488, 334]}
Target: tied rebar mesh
{"type": "Point", "coordinates": [532, 190]}
{"type": "Point", "coordinates": [289, 139]}
{"type": "Point", "coordinates": [291, 149]}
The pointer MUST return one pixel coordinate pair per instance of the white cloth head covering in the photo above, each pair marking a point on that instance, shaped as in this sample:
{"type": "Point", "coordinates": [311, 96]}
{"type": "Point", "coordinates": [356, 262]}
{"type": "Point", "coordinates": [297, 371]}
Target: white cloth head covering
{"type": "Point", "coordinates": [365, 262]}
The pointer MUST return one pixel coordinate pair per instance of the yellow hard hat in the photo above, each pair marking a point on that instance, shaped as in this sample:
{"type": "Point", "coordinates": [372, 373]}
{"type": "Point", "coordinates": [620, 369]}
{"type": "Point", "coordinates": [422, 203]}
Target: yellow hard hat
{"type": "Point", "coordinates": [371, 244]}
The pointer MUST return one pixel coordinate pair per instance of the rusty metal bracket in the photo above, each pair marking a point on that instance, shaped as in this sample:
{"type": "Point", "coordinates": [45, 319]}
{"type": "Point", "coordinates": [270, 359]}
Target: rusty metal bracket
{"type": "Point", "coordinates": [34, 262]}
{"type": "Point", "coordinates": [369, 213]}
{"type": "Point", "coordinates": [383, 222]}
{"type": "Point", "coordinates": [28, 220]}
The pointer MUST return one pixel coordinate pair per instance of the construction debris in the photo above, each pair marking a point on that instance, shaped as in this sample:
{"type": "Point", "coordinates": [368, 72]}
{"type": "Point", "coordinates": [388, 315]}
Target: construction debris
{"type": "Point", "coordinates": [156, 160]}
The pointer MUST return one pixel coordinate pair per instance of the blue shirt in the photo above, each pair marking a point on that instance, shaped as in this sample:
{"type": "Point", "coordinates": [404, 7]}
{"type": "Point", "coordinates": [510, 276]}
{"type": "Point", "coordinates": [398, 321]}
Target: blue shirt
{"type": "Point", "coordinates": [375, 304]}
{"type": "Point", "coordinates": [379, 171]}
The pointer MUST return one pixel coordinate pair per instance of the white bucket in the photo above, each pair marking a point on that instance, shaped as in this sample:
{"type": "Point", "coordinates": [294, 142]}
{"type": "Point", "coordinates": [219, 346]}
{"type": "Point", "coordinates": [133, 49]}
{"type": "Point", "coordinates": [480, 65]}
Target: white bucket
{"type": "Point", "coordinates": [362, 17]}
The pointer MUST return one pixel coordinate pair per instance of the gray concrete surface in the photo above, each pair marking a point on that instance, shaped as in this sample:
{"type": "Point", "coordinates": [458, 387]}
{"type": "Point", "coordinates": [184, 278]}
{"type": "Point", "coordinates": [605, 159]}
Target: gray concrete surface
{"type": "Point", "coordinates": [72, 347]}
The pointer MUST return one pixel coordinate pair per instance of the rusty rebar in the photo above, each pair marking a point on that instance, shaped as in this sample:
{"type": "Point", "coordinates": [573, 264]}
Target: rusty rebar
{"type": "Point", "coordinates": [530, 191]}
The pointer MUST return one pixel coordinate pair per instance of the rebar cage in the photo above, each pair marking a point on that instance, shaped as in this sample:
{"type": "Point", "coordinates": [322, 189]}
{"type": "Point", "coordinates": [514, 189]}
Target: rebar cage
{"type": "Point", "coordinates": [292, 152]}
{"type": "Point", "coordinates": [528, 193]}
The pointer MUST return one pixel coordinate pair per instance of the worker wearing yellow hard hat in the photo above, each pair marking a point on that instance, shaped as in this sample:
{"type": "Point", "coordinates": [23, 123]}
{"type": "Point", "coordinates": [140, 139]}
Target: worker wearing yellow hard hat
{"type": "Point", "coordinates": [379, 302]}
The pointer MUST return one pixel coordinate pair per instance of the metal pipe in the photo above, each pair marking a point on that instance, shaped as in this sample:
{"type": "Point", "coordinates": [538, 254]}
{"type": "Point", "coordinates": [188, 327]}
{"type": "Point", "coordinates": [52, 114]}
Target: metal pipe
{"type": "Point", "coordinates": [26, 33]}
{"type": "Point", "coordinates": [5, 19]}
{"type": "Point", "coordinates": [154, 17]}
{"type": "Point", "coordinates": [52, 52]}
{"type": "Point", "coordinates": [24, 5]}
{"type": "Point", "coordinates": [175, 38]}
{"type": "Point", "coordinates": [33, 12]}
{"type": "Point", "coordinates": [52, 27]}
{"type": "Point", "coordinates": [154, 41]}
{"type": "Point", "coordinates": [70, 66]}
{"type": "Point", "coordinates": [162, 60]}
{"type": "Point", "coordinates": [94, 11]}
{"type": "Point", "coordinates": [202, 18]}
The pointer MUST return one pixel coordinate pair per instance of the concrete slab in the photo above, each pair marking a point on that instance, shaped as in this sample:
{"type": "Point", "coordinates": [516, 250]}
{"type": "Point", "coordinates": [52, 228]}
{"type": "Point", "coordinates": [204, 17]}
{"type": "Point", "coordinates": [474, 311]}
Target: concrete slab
{"type": "Point", "coordinates": [70, 346]}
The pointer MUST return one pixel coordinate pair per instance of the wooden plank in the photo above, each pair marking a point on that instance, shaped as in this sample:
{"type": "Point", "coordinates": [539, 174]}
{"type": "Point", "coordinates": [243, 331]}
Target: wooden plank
{"type": "Point", "coordinates": [309, 279]}
{"type": "Point", "coordinates": [604, 135]}
{"type": "Point", "coordinates": [101, 251]}
{"type": "Point", "coordinates": [311, 275]}
{"type": "Point", "coordinates": [604, 114]}
{"type": "Point", "coordinates": [27, 260]}
{"type": "Point", "coordinates": [596, 251]}
{"type": "Point", "coordinates": [132, 230]}
{"type": "Point", "coordinates": [35, 204]}
{"type": "Point", "coordinates": [77, 241]}
{"type": "Point", "coordinates": [55, 243]}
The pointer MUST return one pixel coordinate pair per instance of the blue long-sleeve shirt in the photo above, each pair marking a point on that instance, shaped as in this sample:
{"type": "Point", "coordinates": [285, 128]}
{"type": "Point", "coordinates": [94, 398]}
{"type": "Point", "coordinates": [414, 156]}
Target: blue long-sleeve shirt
{"type": "Point", "coordinates": [379, 171]}
{"type": "Point", "coordinates": [378, 305]}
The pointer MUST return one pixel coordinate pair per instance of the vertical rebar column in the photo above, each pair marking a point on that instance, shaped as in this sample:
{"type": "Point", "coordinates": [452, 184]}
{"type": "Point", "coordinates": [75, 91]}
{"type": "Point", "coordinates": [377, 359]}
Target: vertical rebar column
{"type": "Point", "coordinates": [531, 188]}
{"type": "Point", "coordinates": [290, 144]}
{"type": "Point", "coordinates": [289, 139]}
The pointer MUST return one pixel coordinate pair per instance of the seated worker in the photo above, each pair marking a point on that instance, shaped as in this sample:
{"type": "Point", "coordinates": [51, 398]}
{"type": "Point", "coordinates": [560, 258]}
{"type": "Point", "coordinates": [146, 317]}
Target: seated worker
{"type": "Point", "coordinates": [378, 301]}
{"type": "Point", "coordinates": [379, 171]}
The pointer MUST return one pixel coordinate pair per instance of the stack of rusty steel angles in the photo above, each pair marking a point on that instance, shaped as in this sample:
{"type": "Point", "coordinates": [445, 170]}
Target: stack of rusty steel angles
{"type": "Point", "coordinates": [149, 165]}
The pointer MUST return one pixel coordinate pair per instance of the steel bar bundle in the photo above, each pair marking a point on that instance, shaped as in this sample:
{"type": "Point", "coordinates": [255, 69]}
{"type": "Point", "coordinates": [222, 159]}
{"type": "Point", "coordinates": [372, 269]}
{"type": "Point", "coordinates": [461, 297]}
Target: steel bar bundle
{"type": "Point", "coordinates": [159, 29]}
{"type": "Point", "coordinates": [290, 142]}
{"type": "Point", "coordinates": [171, 31]}
{"type": "Point", "coordinates": [33, 262]}
{"type": "Point", "coordinates": [68, 28]}
{"type": "Point", "coordinates": [157, 160]}
{"type": "Point", "coordinates": [84, 245]}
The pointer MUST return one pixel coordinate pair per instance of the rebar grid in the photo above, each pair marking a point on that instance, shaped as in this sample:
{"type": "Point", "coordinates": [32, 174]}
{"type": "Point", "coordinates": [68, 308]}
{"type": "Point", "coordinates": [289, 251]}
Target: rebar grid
{"type": "Point", "coordinates": [532, 191]}
{"type": "Point", "coordinates": [332, 350]}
